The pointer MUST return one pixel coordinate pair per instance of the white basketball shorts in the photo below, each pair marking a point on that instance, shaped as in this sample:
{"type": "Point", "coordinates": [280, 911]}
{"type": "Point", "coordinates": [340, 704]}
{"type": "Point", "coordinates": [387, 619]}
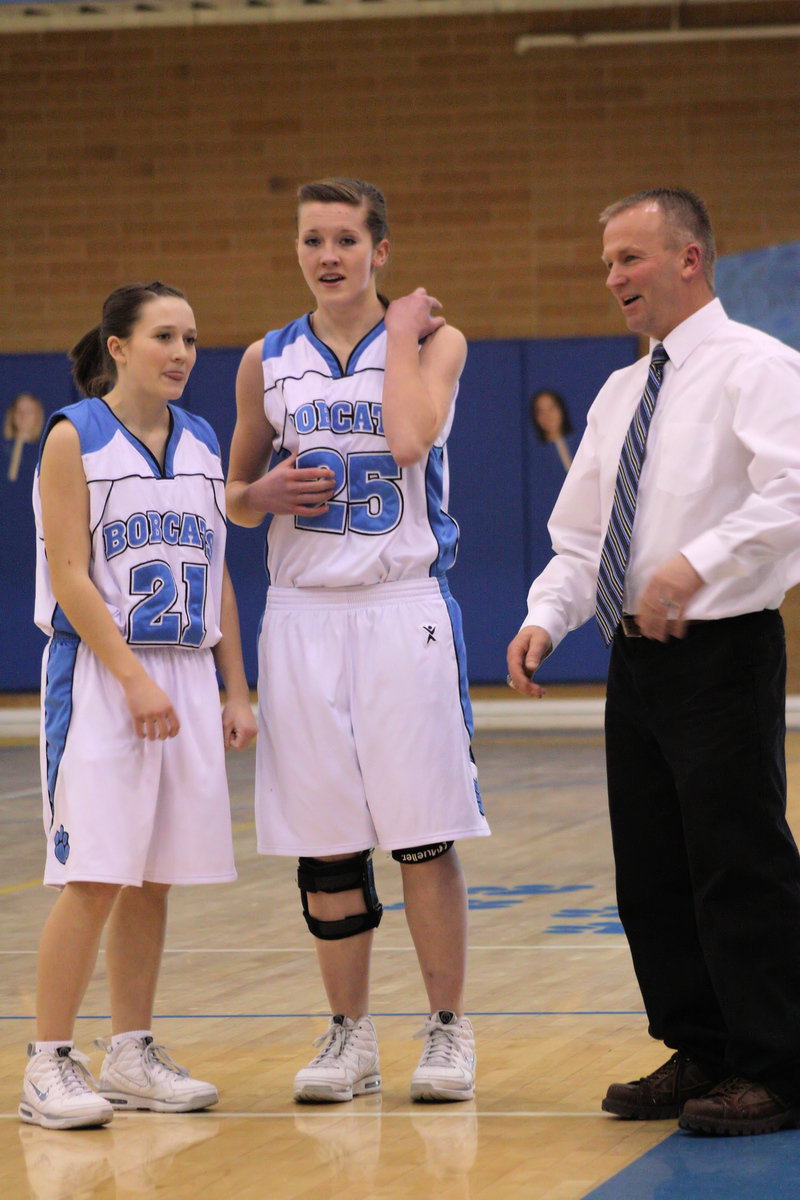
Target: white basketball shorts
{"type": "Point", "coordinates": [364, 721]}
{"type": "Point", "coordinates": [120, 809]}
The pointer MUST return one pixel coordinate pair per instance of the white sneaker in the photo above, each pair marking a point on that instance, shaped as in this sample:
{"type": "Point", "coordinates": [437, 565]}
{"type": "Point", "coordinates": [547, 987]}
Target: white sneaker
{"type": "Point", "coordinates": [346, 1066]}
{"type": "Point", "coordinates": [446, 1068]}
{"type": "Point", "coordinates": [57, 1091]}
{"type": "Point", "coordinates": [138, 1074]}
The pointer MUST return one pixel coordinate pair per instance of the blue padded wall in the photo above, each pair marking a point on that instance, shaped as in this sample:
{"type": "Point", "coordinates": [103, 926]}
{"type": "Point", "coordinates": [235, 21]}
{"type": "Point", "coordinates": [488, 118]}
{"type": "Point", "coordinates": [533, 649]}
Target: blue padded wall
{"type": "Point", "coordinates": [21, 643]}
{"type": "Point", "coordinates": [576, 368]}
{"type": "Point", "coordinates": [503, 483]}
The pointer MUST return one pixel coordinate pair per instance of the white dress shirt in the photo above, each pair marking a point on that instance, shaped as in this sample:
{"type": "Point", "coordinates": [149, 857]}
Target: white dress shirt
{"type": "Point", "coordinates": [720, 482]}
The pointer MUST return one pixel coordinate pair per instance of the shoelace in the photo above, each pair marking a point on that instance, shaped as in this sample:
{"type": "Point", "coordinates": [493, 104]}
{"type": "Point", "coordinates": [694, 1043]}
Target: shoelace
{"type": "Point", "coordinates": [729, 1089]}
{"type": "Point", "coordinates": [158, 1056]}
{"type": "Point", "coordinates": [662, 1072]}
{"type": "Point", "coordinates": [74, 1071]}
{"type": "Point", "coordinates": [442, 1048]}
{"type": "Point", "coordinates": [155, 1055]}
{"type": "Point", "coordinates": [336, 1037]}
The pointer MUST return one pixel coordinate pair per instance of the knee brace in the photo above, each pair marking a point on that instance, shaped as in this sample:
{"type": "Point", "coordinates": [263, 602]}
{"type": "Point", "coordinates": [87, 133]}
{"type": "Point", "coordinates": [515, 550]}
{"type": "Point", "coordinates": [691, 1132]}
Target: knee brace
{"type": "Point", "coordinates": [419, 854]}
{"type": "Point", "coordinates": [343, 875]}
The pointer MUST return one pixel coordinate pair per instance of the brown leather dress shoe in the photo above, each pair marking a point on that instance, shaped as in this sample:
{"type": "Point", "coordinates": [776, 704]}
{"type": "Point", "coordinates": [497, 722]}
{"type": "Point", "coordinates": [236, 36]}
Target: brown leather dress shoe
{"type": "Point", "coordinates": [738, 1106]}
{"type": "Point", "coordinates": [660, 1095]}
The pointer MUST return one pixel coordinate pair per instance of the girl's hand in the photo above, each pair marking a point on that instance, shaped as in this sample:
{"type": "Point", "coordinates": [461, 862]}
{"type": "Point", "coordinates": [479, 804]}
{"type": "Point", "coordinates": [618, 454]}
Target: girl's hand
{"type": "Point", "coordinates": [287, 489]}
{"type": "Point", "coordinates": [238, 724]}
{"type": "Point", "coordinates": [151, 709]}
{"type": "Point", "coordinates": [413, 314]}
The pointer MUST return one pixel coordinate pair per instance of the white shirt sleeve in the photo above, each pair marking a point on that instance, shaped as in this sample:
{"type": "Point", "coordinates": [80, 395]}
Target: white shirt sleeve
{"type": "Point", "coordinates": [720, 482]}
{"type": "Point", "coordinates": [766, 527]}
{"type": "Point", "coordinates": [563, 596]}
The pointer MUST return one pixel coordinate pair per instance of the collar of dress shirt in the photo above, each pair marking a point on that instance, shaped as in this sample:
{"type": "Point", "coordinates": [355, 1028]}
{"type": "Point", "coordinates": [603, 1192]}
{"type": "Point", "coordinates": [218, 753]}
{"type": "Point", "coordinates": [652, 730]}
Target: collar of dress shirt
{"type": "Point", "coordinates": [687, 336]}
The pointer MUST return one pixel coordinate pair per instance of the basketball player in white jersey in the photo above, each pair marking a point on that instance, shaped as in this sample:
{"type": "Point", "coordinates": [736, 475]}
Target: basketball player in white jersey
{"type": "Point", "coordinates": [364, 715]}
{"type": "Point", "coordinates": [134, 595]}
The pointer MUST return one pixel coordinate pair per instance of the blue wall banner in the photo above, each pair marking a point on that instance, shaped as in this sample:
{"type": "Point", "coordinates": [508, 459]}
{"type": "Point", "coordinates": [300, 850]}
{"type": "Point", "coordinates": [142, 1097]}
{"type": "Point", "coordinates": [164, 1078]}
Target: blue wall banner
{"type": "Point", "coordinates": [760, 288]}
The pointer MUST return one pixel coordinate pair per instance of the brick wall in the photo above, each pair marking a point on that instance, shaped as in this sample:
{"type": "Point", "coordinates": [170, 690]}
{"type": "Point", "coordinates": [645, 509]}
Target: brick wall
{"type": "Point", "coordinates": [175, 153]}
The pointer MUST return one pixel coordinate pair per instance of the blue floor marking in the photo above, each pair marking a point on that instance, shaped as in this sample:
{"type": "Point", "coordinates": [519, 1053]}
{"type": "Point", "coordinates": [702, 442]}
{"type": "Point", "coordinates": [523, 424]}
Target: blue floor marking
{"type": "Point", "coordinates": [687, 1166]}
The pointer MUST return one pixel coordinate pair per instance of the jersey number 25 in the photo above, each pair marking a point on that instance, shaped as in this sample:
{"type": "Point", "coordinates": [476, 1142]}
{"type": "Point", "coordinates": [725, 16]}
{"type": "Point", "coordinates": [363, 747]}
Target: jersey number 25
{"type": "Point", "coordinates": [366, 497]}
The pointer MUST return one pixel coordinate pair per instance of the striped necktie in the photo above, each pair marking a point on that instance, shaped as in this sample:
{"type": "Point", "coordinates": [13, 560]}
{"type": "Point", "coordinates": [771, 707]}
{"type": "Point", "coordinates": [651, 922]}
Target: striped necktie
{"type": "Point", "coordinates": [617, 544]}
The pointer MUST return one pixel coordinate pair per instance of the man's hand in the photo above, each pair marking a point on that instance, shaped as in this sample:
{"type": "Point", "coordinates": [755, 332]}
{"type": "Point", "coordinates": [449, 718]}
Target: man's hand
{"type": "Point", "coordinates": [526, 653]}
{"type": "Point", "coordinates": [663, 602]}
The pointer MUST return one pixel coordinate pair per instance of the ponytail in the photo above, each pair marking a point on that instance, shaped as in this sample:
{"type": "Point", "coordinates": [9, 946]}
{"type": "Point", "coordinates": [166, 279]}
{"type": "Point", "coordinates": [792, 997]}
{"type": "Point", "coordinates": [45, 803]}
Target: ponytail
{"type": "Point", "coordinates": [92, 366]}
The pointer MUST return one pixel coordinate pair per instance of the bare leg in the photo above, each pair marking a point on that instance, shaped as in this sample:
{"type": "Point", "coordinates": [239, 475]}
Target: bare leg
{"type": "Point", "coordinates": [67, 956]}
{"type": "Point", "coordinates": [435, 896]}
{"type": "Point", "coordinates": [134, 946]}
{"type": "Point", "coordinates": [344, 964]}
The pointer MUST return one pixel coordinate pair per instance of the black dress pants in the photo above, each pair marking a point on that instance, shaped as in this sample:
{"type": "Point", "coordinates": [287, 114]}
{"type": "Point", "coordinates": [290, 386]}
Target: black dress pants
{"type": "Point", "coordinates": [708, 873]}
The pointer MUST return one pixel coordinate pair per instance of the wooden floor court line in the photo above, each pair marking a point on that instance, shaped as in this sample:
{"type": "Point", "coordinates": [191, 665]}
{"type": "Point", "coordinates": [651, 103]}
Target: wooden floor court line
{"type": "Point", "coordinates": [546, 1049]}
{"type": "Point", "coordinates": [325, 1114]}
{"type": "Point", "coordinates": [375, 949]}
{"type": "Point", "coordinates": [376, 1016]}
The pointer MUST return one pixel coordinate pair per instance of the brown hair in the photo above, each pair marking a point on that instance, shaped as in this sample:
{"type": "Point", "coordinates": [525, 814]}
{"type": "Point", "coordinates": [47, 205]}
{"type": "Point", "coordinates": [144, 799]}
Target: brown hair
{"type": "Point", "coordinates": [336, 190]}
{"type": "Point", "coordinates": [685, 214]}
{"type": "Point", "coordinates": [561, 405]}
{"type": "Point", "coordinates": [93, 368]}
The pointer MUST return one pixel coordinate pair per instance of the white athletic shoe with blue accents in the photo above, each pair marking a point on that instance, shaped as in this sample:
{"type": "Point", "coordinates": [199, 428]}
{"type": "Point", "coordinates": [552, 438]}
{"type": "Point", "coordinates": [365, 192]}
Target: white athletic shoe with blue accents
{"type": "Point", "coordinates": [138, 1074]}
{"type": "Point", "coordinates": [347, 1065]}
{"type": "Point", "coordinates": [57, 1091]}
{"type": "Point", "coordinates": [446, 1068]}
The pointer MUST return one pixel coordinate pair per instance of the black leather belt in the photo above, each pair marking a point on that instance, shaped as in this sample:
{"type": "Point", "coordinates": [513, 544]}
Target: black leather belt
{"type": "Point", "coordinates": [630, 626]}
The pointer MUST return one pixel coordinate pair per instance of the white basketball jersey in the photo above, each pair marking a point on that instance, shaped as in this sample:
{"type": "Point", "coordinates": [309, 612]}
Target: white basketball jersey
{"type": "Point", "coordinates": [158, 537]}
{"type": "Point", "coordinates": [384, 523]}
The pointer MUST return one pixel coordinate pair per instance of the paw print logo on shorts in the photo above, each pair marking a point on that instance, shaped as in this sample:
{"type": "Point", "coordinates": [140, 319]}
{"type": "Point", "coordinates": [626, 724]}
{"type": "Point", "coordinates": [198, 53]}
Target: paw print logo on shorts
{"type": "Point", "coordinates": [61, 845]}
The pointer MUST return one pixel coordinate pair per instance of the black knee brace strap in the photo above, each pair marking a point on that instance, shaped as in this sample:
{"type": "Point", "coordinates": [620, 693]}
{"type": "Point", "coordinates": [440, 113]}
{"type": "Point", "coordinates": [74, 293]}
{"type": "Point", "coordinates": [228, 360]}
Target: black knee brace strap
{"type": "Point", "coordinates": [419, 854]}
{"type": "Point", "coordinates": [343, 875]}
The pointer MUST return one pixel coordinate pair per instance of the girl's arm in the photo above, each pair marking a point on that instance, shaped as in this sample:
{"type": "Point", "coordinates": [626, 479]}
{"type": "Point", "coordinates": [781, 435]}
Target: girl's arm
{"type": "Point", "coordinates": [419, 382]}
{"type": "Point", "coordinates": [238, 724]}
{"type": "Point", "coordinates": [65, 521]}
{"type": "Point", "coordinates": [252, 491]}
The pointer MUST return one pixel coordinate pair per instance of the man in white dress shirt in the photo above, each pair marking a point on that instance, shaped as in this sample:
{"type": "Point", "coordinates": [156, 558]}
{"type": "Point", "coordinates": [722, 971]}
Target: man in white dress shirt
{"type": "Point", "coordinates": [708, 874]}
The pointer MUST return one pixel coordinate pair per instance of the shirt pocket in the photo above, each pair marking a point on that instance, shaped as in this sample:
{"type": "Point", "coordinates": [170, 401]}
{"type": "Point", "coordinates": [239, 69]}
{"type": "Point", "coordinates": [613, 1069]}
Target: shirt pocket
{"type": "Point", "coordinates": [685, 458]}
